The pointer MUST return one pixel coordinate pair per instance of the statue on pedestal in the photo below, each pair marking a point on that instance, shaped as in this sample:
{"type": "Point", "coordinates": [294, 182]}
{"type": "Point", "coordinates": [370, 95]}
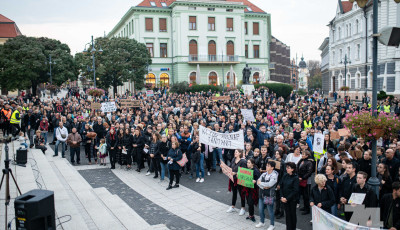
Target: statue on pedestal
{"type": "Point", "coordinates": [246, 75]}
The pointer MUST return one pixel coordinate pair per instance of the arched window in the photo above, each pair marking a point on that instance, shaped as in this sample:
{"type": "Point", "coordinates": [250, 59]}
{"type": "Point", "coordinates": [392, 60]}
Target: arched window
{"type": "Point", "coordinates": [256, 78]}
{"type": "Point", "coordinates": [358, 85]}
{"type": "Point", "coordinates": [340, 33]}
{"type": "Point", "coordinates": [212, 78]}
{"type": "Point", "coordinates": [228, 79]}
{"type": "Point", "coordinates": [357, 26]}
{"type": "Point", "coordinates": [192, 78]}
{"type": "Point", "coordinates": [193, 50]}
{"type": "Point", "coordinates": [164, 79]}
{"type": "Point", "coordinates": [151, 79]}
{"type": "Point", "coordinates": [230, 50]}
{"type": "Point", "coordinates": [212, 51]}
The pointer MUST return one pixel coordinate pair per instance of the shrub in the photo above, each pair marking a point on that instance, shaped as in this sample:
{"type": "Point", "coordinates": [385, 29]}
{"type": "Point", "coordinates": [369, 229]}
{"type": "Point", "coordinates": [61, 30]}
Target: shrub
{"type": "Point", "coordinates": [302, 92]}
{"type": "Point", "coordinates": [180, 87]}
{"type": "Point", "coordinates": [205, 88]}
{"type": "Point", "coordinates": [344, 88]}
{"type": "Point", "coordinates": [95, 92]}
{"type": "Point", "coordinates": [382, 96]}
{"type": "Point", "coordinates": [281, 89]}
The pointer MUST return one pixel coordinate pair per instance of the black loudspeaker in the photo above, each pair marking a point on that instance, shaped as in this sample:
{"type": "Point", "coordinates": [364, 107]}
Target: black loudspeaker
{"type": "Point", "coordinates": [34, 210]}
{"type": "Point", "coordinates": [22, 156]}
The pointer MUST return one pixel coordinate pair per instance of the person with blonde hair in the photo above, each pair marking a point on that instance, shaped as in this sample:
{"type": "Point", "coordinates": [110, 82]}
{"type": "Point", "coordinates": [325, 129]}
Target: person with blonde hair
{"type": "Point", "coordinates": [321, 195]}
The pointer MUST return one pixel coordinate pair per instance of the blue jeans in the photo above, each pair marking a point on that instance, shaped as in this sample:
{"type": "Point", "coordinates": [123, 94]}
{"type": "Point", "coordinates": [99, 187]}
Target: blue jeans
{"type": "Point", "coordinates": [54, 134]}
{"type": "Point", "coordinates": [24, 144]}
{"type": "Point", "coordinates": [261, 207]}
{"type": "Point", "coordinates": [334, 210]}
{"type": "Point", "coordinates": [163, 167]}
{"type": "Point", "coordinates": [44, 134]}
{"type": "Point", "coordinates": [62, 148]}
{"type": "Point", "coordinates": [200, 166]}
{"type": "Point", "coordinates": [215, 152]}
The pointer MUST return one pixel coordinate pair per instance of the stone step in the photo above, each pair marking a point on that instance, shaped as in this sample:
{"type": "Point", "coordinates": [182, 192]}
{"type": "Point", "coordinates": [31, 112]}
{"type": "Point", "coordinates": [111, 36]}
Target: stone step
{"type": "Point", "coordinates": [94, 207]}
{"type": "Point", "coordinates": [62, 197]}
{"type": "Point", "coordinates": [126, 215]}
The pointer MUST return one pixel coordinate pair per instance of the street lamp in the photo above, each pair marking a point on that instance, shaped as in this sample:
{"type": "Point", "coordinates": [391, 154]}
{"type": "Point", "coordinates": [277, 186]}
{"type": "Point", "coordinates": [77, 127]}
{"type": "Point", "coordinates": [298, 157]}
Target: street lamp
{"type": "Point", "coordinates": [373, 180]}
{"type": "Point", "coordinates": [50, 62]}
{"type": "Point", "coordinates": [93, 52]}
{"type": "Point", "coordinates": [345, 62]}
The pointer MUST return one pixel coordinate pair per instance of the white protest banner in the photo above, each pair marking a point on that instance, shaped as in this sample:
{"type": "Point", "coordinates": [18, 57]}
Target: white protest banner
{"type": "Point", "coordinates": [248, 114]}
{"type": "Point", "coordinates": [324, 220]}
{"type": "Point", "coordinates": [108, 107]}
{"type": "Point", "coordinates": [221, 140]}
{"type": "Point", "coordinates": [149, 93]}
{"type": "Point", "coordinates": [357, 198]}
{"type": "Point", "coordinates": [318, 145]}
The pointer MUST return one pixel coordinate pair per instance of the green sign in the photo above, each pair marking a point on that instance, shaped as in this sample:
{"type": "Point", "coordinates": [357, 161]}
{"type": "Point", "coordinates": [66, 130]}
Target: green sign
{"type": "Point", "coordinates": [245, 177]}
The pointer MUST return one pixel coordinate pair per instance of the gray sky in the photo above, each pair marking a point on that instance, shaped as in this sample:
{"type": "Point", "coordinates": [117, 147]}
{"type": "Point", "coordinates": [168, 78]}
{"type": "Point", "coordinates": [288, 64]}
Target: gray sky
{"type": "Point", "coordinates": [301, 24]}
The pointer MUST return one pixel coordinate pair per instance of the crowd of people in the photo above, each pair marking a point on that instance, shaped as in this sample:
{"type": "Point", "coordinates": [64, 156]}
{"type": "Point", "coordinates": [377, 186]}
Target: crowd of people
{"type": "Point", "coordinates": [164, 131]}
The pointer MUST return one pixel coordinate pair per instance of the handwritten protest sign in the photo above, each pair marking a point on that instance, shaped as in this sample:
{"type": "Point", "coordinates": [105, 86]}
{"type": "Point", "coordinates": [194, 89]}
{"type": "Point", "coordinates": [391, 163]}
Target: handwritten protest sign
{"type": "Point", "coordinates": [226, 170]}
{"type": "Point", "coordinates": [95, 106]}
{"type": "Point", "coordinates": [245, 177]}
{"type": "Point", "coordinates": [221, 98]}
{"type": "Point", "coordinates": [357, 198]}
{"type": "Point", "coordinates": [107, 107]}
{"type": "Point", "coordinates": [129, 103]}
{"type": "Point", "coordinates": [248, 114]}
{"type": "Point", "coordinates": [343, 132]}
{"type": "Point", "coordinates": [149, 93]}
{"type": "Point", "coordinates": [335, 136]}
{"type": "Point", "coordinates": [222, 140]}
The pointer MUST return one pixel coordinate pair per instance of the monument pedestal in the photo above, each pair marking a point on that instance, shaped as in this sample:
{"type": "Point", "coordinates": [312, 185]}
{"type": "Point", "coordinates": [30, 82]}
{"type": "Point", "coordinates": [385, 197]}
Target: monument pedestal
{"type": "Point", "coordinates": [248, 89]}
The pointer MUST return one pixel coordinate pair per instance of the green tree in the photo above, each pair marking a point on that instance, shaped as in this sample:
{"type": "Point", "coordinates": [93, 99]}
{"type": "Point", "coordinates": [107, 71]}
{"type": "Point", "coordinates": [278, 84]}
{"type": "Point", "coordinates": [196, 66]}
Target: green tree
{"type": "Point", "coordinates": [122, 60]}
{"type": "Point", "coordinates": [24, 63]}
{"type": "Point", "coordinates": [315, 79]}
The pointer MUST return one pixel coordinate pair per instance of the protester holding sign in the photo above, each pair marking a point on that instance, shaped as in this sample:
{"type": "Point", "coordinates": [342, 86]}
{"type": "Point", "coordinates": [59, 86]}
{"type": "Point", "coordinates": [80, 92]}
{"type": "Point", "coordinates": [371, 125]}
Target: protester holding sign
{"type": "Point", "coordinates": [233, 185]}
{"type": "Point", "coordinates": [289, 187]}
{"type": "Point", "coordinates": [251, 194]}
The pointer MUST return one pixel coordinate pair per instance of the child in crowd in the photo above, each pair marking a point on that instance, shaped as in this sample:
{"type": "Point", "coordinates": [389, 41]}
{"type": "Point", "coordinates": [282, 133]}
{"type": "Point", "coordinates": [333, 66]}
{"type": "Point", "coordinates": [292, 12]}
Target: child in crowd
{"type": "Point", "coordinates": [22, 138]}
{"type": "Point", "coordinates": [102, 154]}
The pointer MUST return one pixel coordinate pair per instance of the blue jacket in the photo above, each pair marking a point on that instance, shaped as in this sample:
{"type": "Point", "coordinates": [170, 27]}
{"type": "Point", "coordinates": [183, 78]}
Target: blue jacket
{"type": "Point", "coordinates": [260, 135]}
{"type": "Point", "coordinates": [176, 155]}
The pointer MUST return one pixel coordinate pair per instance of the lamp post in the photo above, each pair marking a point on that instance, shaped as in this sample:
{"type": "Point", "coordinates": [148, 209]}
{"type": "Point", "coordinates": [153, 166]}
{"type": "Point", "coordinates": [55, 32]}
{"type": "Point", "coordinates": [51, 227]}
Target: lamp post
{"type": "Point", "coordinates": [93, 52]}
{"type": "Point", "coordinates": [373, 180]}
{"type": "Point", "coordinates": [50, 62]}
{"type": "Point", "coordinates": [345, 62]}
{"type": "Point", "coordinates": [223, 74]}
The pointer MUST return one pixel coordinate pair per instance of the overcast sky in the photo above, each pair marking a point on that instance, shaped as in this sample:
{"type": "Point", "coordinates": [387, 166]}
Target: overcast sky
{"type": "Point", "coordinates": [301, 24]}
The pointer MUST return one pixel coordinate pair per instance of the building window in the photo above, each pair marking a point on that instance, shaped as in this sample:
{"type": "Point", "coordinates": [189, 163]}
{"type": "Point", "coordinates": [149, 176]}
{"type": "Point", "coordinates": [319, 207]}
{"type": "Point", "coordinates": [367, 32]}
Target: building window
{"type": "Point", "coordinates": [256, 78]}
{"type": "Point", "coordinates": [211, 9]}
{"type": "Point", "coordinates": [149, 24]}
{"type": "Point", "coordinates": [163, 4]}
{"type": "Point", "coordinates": [132, 26]}
{"type": "Point", "coordinates": [212, 51]}
{"type": "Point", "coordinates": [163, 50]}
{"type": "Point", "coordinates": [230, 50]}
{"type": "Point", "coordinates": [229, 10]}
{"type": "Point", "coordinates": [192, 8]}
{"type": "Point", "coordinates": [358, 51]}
{"type": "Point", "coordinates": [249, 9]}
{"type": "Point", "coordinates": [256, 30]}
{"type": "Point", "coordinates": [151, 79]}
{"type": "Point", "coordinates": [245, 28]}
{"type": "Point", "coordinates": [256, 51]}
{"type": "Point", "coordinates": [192, 50]}
{"type": "Point", "coordinates": [333, 58]}
{"type": "Point", "coordinates": [150, 48]}
{"type": "Point", "coordinates": [163, 24]}
{"type": "Point", "coordinates": [228, 79]}
{"type": "Point", "coordinates": [211, 23]}
{"type": "Point", "coordinates": [340, 33]}
{"type": "Point", "coordinates": [192, 23]}
{"type": "Point", "coordinates": [357, 26]}
{"type": "Point", "coordinates": [348, 53]}
{"type": "Point", "coordinates": [340, 55]}
{"type": "Point", "coordinates": [192, 78]}
{"type": "Point", "coordinates": [212, 78]}
{"type": "Point", "coordinates": [229, 24]}
{"type": "Point", "coordinates": [164, 79]}
{"type": "Point", "coordinates": [246, 51]}
{"type": "Point", "coordinates": [153, 4]}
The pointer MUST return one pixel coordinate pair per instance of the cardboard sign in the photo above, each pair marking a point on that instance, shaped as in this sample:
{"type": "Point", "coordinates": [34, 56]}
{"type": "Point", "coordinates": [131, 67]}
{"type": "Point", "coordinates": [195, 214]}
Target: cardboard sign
{"type": "Point", "coordinates": [357, 198]}
{"type": "Point", "coordinates": [95, 105]}
{"type": "Point", "coordinates": [343, 132]}
{"type": "Point", "coordinates": [277, 164]}
{"type": "Point", "coordinates": [221, 98]}
{"type": "Point", "coordinates": [245, 177]}
{"type": "Point", "coordinates": [226, 170]}
{"type": "Point", "coordinates": [149, 93]}
{"type": "Point", "coordinates": [129, 103]}
{"type": "Point", "coordinates": [107, 107]}
{"type": "Point", "coordinates": [335, 136]}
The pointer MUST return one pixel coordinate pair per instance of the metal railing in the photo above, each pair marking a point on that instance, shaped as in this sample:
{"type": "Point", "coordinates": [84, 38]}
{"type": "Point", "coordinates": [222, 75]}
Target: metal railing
{"type": "Point", "coordinates": [213, 58]}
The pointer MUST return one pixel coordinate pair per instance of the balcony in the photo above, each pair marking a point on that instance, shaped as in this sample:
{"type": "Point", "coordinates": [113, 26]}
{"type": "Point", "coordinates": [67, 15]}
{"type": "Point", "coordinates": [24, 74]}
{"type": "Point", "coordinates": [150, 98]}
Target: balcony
{"type": "Point", "coordinates": [213, 59]}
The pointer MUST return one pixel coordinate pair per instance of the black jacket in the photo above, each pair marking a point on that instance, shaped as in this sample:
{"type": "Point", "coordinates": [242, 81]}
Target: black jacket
{"type": "Point", "coordinates": [289, 187]}
{"type": "Point", "coordinates": [306, 169]}
{"type": "Point", "coordinates": [347, 187]}
{"type": "Point", "coordinates": [325, 197]}
{"type": "Point", "coordinates": [371, 199]}
{"type": "Point", "coordinates": [112, 142]}
{"type": "Point", "coordinates": [387, 203]}
{"type": "Point", "coordinates": [100, 130]}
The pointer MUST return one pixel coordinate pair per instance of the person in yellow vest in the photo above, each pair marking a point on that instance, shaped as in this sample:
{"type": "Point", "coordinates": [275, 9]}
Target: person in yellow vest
{"type": "Point", "coordinates": [15, 121]}
{"type": "Point", "coordinates": [307, 123]}
{"type": "Point", "coordinates": [386, 107]}
{"type": "Point", "coordinates": [25, 107]}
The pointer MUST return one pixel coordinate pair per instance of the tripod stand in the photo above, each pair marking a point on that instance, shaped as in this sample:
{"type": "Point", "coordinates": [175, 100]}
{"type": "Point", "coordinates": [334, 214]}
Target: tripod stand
{"type": "Point", "coordinates": [6, 174]}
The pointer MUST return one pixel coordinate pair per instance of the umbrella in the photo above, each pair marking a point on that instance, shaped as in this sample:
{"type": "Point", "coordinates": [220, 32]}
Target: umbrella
{"type": "Point", "coordinates": [198, 80]}
{"type": "Point", "coordinates": [231, 77]}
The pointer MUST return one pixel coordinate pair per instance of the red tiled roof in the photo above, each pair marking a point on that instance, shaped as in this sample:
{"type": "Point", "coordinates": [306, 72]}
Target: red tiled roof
{"type": "Point", "coordinates": [146, 3]}
{"type": "Point", "coordinates": [4, 19]}
{"type": "Point", "coordinates": [347, 6]}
